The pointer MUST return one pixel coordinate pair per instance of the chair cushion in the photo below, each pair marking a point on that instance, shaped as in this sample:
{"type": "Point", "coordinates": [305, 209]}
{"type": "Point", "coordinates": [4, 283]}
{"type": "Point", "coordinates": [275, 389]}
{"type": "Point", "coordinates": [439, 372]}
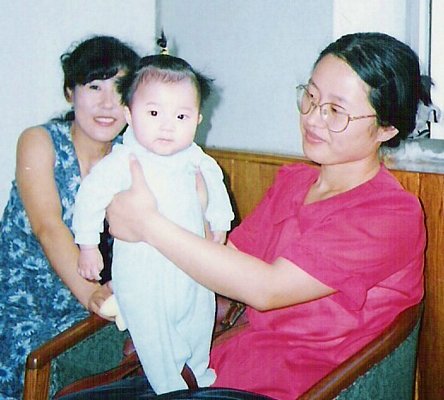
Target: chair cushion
{"type": "Point", "coordinates": [97, 353]}
{"type": "Point", "coordinates": [392, 378]}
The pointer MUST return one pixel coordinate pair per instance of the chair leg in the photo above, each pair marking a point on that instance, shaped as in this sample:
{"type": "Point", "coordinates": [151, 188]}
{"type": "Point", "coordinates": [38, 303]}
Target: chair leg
{"type": "Point", "coordinates": [37, 387]}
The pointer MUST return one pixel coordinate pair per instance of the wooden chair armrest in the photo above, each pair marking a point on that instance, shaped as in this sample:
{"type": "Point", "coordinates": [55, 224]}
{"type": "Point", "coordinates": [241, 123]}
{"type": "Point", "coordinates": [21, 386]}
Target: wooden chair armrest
{"type": "Point", "coordinates": [229, 313]}
{"type": "Point", "coordinates": [230, 319]}
{"type": "Point", "coordinates": [346, 373]}
{"type": "Point", "coordinates": [38, 363]}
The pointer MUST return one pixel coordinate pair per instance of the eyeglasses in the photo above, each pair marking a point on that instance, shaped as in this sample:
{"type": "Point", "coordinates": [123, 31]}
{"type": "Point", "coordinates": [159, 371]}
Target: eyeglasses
{"type": "Point", "coordinates": [334, 116]}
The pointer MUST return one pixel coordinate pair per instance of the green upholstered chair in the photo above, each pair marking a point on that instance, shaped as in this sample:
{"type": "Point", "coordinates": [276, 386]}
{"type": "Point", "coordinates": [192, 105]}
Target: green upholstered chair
{"type": "Point", "coordinates": [398, 372]}
{"type": "Point", "coordinates": [92, 346]}
{"type": "Point", "coordinates": [384, 369]}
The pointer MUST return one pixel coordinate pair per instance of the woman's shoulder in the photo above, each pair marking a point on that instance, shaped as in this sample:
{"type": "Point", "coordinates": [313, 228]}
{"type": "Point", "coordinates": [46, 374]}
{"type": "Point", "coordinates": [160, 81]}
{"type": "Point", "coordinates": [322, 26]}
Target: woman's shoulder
{"type": "Point", "coordinates": [388, 186]}
{"type": "Point", "coordinates": [35, 137]}
{"type": "Point", "coordinates": [44, 139]}
{"type": "Point", "coordinates": [51, 129]}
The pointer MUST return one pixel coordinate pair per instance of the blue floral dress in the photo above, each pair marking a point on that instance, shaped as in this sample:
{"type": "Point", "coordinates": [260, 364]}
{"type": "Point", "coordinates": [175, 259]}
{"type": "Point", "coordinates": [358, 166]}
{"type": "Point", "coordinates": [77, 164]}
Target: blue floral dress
{"type": "Point", "coordinates": [35, 305]}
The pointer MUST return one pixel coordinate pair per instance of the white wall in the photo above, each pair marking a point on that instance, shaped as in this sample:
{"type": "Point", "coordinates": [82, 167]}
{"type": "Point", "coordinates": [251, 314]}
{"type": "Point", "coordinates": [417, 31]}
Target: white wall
{"type": "Point", "coordinates": [437, 63]}
{"type": "Point", "coordinates": [34, 35]}
{"type": "Point", "coordinates": [259, 50]}
{"type": "Point", "coordinates": [407, 20]}
{"type": "Point", "coordinates": [388, 16]}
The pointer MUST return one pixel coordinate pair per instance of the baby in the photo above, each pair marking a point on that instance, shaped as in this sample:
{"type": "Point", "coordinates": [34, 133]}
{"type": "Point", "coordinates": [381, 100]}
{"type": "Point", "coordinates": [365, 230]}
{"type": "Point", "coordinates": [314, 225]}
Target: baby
{"type": "Point", "coordinates": [170, 316]}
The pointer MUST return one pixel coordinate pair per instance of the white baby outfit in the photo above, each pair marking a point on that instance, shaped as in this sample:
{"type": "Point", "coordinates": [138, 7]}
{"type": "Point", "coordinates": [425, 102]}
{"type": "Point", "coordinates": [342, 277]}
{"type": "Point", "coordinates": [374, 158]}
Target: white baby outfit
{"type": "Point", "coordinates": [170, 316]}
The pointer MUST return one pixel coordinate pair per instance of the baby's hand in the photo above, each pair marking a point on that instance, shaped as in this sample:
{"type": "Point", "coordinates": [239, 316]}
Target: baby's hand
{"type": "Point", "coordinates": [90, 263]}
{"type": "Point", "coordinates": [219, 236]}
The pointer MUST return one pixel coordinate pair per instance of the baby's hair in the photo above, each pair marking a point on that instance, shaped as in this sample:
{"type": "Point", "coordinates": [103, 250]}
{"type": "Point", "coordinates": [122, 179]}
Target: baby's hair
{"type": "Point", "coordinates": [164, 68]}
{"type": "Point", "coordinates": [163, 44]}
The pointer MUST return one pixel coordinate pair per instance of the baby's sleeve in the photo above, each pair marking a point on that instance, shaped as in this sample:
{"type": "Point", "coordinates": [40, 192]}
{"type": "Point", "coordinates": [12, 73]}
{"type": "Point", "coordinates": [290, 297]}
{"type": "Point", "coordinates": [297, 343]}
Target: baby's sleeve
{"type": "Point", "coordinates": [96, 191]}
{"type": "Point", "coordinates": [219, 213]}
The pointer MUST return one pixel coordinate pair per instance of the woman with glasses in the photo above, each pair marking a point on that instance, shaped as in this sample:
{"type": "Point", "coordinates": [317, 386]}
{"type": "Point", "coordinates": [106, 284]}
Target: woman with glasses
{"type": "Point", "coordinates": [332, 254]}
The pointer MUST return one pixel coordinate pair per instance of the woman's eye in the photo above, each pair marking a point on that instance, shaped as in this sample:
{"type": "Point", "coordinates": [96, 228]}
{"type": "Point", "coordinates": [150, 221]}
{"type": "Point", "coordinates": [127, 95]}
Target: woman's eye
{"type": "Point", "coordinates": [310, 91]}
{"type": "Point", "coordinates": [335, 109]}
{"type": "Point", "coordinates": [312, 98]}
{"type": "Point", "coordinates": [181, 116]}
{"type": "Point", "coordinates": [153, 113]}
{"type": "Point", "coordinates": [94, 87]}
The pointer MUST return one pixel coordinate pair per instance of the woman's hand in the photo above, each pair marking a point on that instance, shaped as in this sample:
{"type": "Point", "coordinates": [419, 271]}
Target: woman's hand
{"type": "Point", "coordinates": [98, 297]}
{"type": "Point", "coordinates": [130, 210]}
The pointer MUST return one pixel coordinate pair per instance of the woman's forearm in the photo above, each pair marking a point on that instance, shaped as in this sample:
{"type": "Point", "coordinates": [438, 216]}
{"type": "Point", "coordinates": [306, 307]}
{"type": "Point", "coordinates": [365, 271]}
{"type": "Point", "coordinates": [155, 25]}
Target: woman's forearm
{"type": "Point", "coordinates": [40, 197]}
{"type": "Point", "coordinates": [62, 253]}
{"type": "Point", "coordinates": [230, 272]}
{"type": "Point", "coordinates": [220, 268]}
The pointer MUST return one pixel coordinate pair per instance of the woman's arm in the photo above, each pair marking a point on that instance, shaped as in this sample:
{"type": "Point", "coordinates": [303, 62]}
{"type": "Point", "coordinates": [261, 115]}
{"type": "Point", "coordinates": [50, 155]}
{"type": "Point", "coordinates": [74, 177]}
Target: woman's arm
{"type": "Point", "coordinates": [133, 216]}
{"type": "Point", "coordinates": [38, 191]}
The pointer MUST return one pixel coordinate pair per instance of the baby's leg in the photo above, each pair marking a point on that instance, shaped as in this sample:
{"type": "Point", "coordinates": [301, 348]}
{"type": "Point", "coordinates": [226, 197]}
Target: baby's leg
{"type": "Point", "coordinates": [198, 330]}
{"type": "Point", "coordinates": [143, 302]}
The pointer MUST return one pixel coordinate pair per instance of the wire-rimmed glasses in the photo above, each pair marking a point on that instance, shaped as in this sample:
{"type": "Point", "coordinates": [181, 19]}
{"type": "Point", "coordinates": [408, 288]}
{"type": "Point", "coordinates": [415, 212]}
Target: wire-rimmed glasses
{"type": "Point", "coordinates": [333, 115]}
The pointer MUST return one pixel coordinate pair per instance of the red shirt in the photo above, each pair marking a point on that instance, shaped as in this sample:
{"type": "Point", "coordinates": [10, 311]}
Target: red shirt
{"type": "Point", "coordinates": [366, 243]}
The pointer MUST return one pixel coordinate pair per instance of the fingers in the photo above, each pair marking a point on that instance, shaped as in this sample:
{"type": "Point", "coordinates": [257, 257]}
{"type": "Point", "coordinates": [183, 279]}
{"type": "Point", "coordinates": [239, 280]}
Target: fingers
{"type": "Point", "coordinates": [90, 263]}
{"type": "Point", "coordinates": [89, 274]}
{"type": "Point", "coordinates": [109, 285]}
{"type": "Point", "coordinates": [137, 176]}
{"type": "Point", "coordinates": [219, 237]}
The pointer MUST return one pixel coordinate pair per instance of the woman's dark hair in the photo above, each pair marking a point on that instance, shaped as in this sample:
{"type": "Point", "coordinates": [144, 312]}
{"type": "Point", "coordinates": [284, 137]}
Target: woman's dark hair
{"type": "Point", "coordinates": [99, 57]}
{"type": "Point", "coordinates": [164, 68]}
{"type": "Point", "coordinates": [391, 69]}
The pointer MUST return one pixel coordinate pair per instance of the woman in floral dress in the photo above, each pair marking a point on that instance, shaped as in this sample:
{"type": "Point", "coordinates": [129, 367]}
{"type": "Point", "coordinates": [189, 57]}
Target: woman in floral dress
{"type": "Point", "coordinates": [41, 292]}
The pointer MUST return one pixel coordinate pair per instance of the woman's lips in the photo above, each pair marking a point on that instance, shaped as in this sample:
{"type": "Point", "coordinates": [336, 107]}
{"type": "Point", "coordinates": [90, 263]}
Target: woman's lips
{"type": "Point", "coordinates": [105, 121]}
{"type": "Point", "coordinates": [310, 136]}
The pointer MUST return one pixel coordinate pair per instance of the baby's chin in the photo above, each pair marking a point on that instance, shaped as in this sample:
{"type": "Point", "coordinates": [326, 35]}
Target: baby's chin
{"type": "Point", "coordinates": [166, 147]}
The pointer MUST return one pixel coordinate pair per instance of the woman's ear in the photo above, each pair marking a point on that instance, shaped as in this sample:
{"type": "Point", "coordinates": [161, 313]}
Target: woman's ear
{"type": "Point", "coordinates": [385, 133]}
{"type": "Point", "coordinates": [68, 94]}
{"type": "Point", "coordinates": [200, 119]}
{"type": "Point", "coordinates": [127, 114]}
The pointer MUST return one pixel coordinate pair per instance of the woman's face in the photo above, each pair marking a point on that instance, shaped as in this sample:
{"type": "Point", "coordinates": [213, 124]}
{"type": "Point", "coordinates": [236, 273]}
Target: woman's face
{"type": "Point", "coordinates": [98, 109]}
{"type": "Point", "coordinates": [334, 81]}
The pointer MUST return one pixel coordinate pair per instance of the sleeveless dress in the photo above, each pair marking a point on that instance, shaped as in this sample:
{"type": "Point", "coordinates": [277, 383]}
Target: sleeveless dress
{"type": "Point", "coordinates": [35, 304]}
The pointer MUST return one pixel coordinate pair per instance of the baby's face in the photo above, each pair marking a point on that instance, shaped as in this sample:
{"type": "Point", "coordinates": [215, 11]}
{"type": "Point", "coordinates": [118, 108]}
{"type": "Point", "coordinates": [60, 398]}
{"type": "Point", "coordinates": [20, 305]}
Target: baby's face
{"type": "Point", "coordinates": [164, 115]}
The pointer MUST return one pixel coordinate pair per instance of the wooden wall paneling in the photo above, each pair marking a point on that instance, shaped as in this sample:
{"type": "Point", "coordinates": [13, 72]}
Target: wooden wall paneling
{"type": "Point", "coordinates": [248, 175]}
{"type": "Point", "coordinates": [245, 185]}
{"type": "Point", "coordinates": [410, 181]}
{"type": "Point", "coordinates": [431, 344]}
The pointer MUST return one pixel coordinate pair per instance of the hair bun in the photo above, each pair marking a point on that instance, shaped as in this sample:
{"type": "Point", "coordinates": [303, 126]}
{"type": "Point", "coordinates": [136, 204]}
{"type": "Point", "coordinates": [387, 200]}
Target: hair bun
{"type": "Point", "coordinates": [162, 43]}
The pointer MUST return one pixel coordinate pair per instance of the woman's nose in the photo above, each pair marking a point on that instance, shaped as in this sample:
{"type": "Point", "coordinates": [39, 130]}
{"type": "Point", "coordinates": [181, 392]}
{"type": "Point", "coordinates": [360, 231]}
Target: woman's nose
{"type": "Point", "coordinates": [110, 98]}
{"type": "Point", "coordinates": [314, 116]}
